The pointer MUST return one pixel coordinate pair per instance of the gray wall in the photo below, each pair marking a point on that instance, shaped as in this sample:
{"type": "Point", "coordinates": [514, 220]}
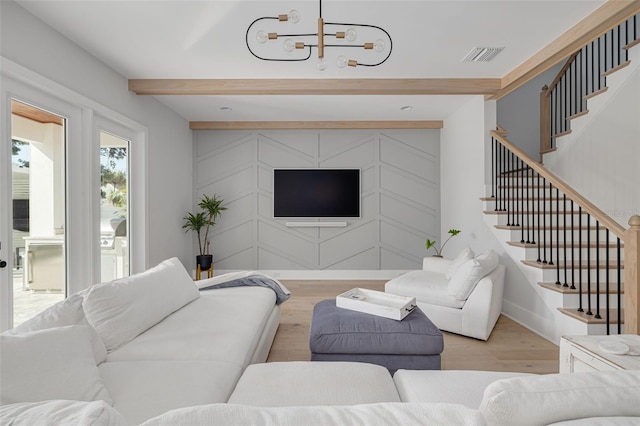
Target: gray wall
{"type": "Point", "coordinates": [519, 112]}
{"type": "Point", "coordinates": [400, 204]}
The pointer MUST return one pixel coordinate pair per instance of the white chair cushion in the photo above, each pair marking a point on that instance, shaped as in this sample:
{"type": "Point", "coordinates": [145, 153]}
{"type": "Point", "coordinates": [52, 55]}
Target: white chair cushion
{"type": "Point", "coordinates": [425, 286]}
{"type": "Point", "coordinates": [122, 309]}
{"type": "Point", "coordinates": [60, 412]}
{"type": "Point", "coordinates": [299, 383]}
{"type": "Point", "coordinates": [66, 312]}
{"type": "Point", "coordinates": [466, 277]}
{"type": "Point", "coordinates": [56, 363]}
{"type": "Point", "coordinates": [554, 398]}
{"type": "Point", "coordinates": [145, 389]}
{"type": "Point", "coordinates": [451, 386]}
{"type": "Point", "coordinates": [458, 261]}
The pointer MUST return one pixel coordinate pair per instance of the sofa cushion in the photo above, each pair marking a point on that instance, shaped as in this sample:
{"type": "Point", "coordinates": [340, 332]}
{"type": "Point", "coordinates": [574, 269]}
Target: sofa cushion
{"type": "Point", "coordinates": [452, 386]}
{"type": "Point", "coordinates": [553, 398]}
{"type": "Point", "coordinates": [426, 286]}
{"type": "Point", "coordinates": [60, 412]}
{"type": "Point", "coordinates": [458, 261]}
{"type": "Point", "coordinates": [145, 389]}
{"type": "Point", "coordinates": [66, 312]}
{"type": "Point", "coordinates": [221, 325]}
{"type": "Point", "coordinates": [122, 309]}
{"type": "Point", "coordinates": [464, 280]}
{"type": "Point", "coordinates": [296, 383]}
{"type": "Point", "coordinates": [384, 413]}
{"type": "Point", "coordinates": [56, 363]}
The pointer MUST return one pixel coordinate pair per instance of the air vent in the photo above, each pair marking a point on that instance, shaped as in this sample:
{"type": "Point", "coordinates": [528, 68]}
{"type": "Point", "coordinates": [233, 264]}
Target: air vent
{"type": "Point", "coordinates": [482, 54]}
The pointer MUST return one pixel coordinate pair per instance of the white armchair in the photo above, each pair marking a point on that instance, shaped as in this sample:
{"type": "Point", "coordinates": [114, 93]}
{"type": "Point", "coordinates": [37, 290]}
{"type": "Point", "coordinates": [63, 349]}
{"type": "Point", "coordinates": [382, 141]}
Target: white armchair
{"type": "Point", "coordinates": [474, 317]}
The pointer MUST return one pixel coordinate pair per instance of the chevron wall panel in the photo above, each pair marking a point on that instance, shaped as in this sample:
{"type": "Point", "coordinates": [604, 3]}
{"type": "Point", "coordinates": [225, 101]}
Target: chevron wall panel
{"type": "Point", "coordinates": [400, 201]}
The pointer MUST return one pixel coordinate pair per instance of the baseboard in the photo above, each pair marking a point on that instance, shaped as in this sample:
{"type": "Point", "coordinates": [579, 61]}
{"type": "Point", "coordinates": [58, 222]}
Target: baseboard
{"type": "Point", "coordinates": [543, 327]}
{"type": "Point", "coordinates": [327, 274]}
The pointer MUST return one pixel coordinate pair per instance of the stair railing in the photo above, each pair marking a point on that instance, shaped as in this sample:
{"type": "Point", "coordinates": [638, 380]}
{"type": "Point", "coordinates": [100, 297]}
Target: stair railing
{"type": "Point", "coordinates": [582, 77]}
{"type": "Point", "coordinates": [564, 227]}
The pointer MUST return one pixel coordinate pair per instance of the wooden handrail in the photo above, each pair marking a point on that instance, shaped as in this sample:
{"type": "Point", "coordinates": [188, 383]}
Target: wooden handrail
{"type": "Point", "coordinates": [632, 276]}
{"type": "Point", "coordinates": [556, 80]}
{"type": "Point", "coordinates": [571, 193]}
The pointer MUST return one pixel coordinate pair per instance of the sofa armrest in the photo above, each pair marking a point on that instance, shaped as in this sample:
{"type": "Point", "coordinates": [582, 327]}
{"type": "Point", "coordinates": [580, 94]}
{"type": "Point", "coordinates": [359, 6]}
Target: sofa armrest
{"type": "Point", "coordinates": [482, 309]}
{"type": "Point", "coordinates": [436, 264]}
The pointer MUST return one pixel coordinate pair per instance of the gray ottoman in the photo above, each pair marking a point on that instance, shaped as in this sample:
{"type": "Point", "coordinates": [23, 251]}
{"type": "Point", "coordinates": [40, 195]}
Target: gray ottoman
{"type": "Point", "coordinates": [338, 334]}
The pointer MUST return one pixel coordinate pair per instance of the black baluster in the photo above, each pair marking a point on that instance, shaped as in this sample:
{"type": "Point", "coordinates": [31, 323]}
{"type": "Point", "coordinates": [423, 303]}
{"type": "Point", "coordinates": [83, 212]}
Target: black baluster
{"type": "Point", "coordinates": [573, 254]}
{"type": "Point", "coordinates": [529, 213]}
{"type": "Point", "coordinates": [580, 257]}
{"type": "Point", "coordinates": [564, 236]}
{"type": "Point", "coordinates": [589, 265]}
{"type": "Point", "coordinates": [619, 289]}
{"type": "Point", "coordinates": [607, 282]}
{"type": "Point", "coordinates": [557, 236]}
{"type": "Point", "coordinates": [597, 270]}
{"type": "Point", "coordinates": [510, 191]}
{"type": "Point", "coordinates": [544, 220]}
{"type": "Point", "coordinates": [551, 224]}
{"type": "Point", "coordinates": [538, 214]}
{"type": "Point", "coordinates": [599, 60]}
{"type": "Point", "coordinates": [521, 198]}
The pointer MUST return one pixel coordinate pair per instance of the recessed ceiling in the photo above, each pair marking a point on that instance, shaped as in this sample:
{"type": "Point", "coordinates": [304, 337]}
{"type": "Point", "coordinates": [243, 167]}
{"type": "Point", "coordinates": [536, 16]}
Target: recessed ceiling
{"type": "Point", "coordinates": [206, 39]}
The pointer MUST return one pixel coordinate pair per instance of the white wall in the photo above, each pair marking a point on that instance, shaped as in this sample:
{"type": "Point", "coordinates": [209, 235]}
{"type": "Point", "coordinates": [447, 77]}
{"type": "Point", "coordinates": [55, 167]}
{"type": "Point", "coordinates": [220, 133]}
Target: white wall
{"type": "Point", "coordinates": [465, 140]}
{"type": "Point", "coordinates": [608, 152]}
{"type": "Point", "coordinates": [399, 202]}
{"type": "Point", "coordinates": [28, 42]}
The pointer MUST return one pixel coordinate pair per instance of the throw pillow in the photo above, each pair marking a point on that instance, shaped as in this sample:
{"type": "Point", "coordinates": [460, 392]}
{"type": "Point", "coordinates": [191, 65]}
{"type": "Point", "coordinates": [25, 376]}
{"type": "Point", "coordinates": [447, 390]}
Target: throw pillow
{"type": "Point", "coordinates": [553, 398]}
{"type": "Point", "coordinates": [463, 256]}
{"type": "Point", "coordinates": [465, 279]}
{"type": "Point", "coordinates": [122, 309]}
{"type": "Point", "coordinates": [56, 363]}
{"type": "Point", "coordinates": [66, 312]}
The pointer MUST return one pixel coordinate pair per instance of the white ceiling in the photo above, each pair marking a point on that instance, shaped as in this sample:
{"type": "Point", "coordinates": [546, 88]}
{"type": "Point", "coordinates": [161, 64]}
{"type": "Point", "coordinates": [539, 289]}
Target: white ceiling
{"type": "Point", "coordinates": [206, 39]}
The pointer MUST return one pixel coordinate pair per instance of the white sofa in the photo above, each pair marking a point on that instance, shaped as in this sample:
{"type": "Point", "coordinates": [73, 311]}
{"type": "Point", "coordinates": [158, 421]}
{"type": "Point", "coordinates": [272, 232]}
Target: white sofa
{"type": "Point", "coordinates": [473, 314]}
{"type": "Point", "coordinates": [157, 344]}
{"type": "Point", "coordinates": [202, 363]}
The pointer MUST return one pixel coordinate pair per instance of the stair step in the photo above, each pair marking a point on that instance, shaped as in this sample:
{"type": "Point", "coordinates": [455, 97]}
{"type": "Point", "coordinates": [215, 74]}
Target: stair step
{"type": "Point", "coordinates": [578, 114]}
{"type": "Point", "coordinates": [583, 265]}
{"type": "Point", "coordinates": [533, 228]}
{"type": "Point", "coordinates": [533, 212]}
{"type": "Point", "coordinates": [596, 93]}
{"type": "Point", "coordinates": [613, 289]}
{"type": "Point", "coordinates": [590, 319]}
{"type": "Point", "coordinates": [614, 69]}
{"type": "Point", "coordinates": [562, 245]}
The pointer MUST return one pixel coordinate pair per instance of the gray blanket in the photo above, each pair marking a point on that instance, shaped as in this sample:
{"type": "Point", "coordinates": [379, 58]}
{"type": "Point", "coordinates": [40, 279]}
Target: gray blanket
{"type": "Point", "coordinates": [281, 296]}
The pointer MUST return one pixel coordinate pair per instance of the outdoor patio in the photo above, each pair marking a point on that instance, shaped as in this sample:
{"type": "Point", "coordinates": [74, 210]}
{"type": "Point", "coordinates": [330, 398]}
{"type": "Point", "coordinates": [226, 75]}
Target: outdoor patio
{"type": "Point", "coordinates": [27, 303]}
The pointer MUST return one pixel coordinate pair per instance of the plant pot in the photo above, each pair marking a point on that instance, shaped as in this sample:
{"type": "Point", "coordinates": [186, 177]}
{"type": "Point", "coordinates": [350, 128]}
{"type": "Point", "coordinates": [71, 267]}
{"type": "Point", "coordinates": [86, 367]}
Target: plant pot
{"type": "Point", "coordinates": [436, 255]}
{"type": "Point", "coordinates": [205, 261]}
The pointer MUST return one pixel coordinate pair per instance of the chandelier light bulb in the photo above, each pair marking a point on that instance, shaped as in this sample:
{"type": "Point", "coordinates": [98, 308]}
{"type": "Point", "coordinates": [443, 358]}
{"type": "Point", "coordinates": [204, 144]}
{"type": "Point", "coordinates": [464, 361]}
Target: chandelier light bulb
{"type": "Point", "coordinates": [261, 37]}
{"type": "Point", "coordinates": [378, 46]}
{"type": "Point", "coordinates": [293, 16]}
{"type": "Point", "coordinates": [321, 65]}
{"type": "Point", "coordinates": [350, 34]}
{"type": "Point", "coordinates": [342, 61]}
{"type": "Point", "coordinates": [289, 45]}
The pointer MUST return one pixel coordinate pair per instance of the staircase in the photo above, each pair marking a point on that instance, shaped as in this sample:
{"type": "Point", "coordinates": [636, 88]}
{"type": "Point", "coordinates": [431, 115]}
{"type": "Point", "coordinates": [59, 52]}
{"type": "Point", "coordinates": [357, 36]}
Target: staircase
{"type": "Point", "coordinates": [569, 250]}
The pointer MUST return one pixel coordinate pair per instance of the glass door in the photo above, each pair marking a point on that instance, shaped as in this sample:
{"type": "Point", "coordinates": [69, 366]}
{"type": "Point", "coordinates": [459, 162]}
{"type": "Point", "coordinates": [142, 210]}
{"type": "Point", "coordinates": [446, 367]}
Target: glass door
{"type": "Point", "coordinates": [38, 192]}
{"type": "Point", "coordinates": [114, 206]}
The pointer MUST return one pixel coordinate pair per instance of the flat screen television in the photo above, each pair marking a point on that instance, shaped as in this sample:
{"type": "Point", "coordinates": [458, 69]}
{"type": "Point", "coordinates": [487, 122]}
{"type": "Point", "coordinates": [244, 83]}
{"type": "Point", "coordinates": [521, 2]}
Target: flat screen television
{"type": "Point", "coordinates": [316, 193]}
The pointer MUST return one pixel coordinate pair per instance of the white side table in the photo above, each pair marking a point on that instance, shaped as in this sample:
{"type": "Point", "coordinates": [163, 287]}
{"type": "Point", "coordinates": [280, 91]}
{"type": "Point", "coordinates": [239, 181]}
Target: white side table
{"type": "Point", "coordinates": [584, 353]}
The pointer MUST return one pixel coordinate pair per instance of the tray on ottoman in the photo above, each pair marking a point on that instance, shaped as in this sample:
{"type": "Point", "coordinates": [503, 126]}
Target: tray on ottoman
{"type": "Point", "coordinates": [338, 334]}
{"type": "Point", "coordinates": [377, 303]}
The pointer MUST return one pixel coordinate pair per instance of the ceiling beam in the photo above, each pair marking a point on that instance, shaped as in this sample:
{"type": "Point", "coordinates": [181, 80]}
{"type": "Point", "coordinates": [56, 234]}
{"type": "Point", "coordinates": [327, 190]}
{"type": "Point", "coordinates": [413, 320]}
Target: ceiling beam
{"type": "Point", "coordinates": [607, 16]}
{"type": "Point", "coordinates": [280, 125]}
{"type": "Point", "coordinates": [342, 86]}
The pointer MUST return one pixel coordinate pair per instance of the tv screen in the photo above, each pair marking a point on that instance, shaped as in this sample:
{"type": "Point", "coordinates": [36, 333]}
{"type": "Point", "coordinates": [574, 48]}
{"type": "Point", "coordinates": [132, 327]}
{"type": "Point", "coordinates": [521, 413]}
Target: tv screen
{"type": "Point", "coordinates": [316, 192]}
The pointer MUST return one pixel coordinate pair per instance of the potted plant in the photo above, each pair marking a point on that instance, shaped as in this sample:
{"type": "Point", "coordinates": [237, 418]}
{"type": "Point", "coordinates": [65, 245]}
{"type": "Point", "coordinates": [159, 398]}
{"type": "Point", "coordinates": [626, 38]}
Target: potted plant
{"type": "Point", "coordinates": [212, 208]}
{"type": "Point", "coordinates": [431, 243]}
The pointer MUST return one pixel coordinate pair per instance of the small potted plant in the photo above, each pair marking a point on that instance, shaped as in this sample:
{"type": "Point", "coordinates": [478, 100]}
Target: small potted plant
{"type": "Point", "coordinates": [212, 208]}
{"type": "Point", "coordinates": [432, 243]}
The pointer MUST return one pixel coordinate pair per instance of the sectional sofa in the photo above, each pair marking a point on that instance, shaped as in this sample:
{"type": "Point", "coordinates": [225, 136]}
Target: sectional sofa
{"type": "Point", "coordinates": [153, 349]}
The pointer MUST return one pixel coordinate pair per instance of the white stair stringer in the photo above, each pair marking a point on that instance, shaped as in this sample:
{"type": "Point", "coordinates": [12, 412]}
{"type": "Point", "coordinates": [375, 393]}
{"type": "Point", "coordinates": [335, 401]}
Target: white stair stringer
{"type": "Point", "coordinates": [556, 324]}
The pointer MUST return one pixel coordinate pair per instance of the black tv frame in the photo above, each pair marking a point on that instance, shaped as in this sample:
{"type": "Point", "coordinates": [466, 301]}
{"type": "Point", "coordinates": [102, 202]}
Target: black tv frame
{"type": "Point", "coordinates": [308, 185]}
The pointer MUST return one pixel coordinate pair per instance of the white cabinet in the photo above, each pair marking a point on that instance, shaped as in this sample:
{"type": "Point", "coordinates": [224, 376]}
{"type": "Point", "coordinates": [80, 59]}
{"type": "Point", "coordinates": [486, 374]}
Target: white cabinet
{"type": "Point", "coordinates": [589, 353]}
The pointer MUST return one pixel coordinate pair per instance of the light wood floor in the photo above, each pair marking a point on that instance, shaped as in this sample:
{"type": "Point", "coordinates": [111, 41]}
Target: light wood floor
{"type": "Point", "coordinates": [510, 347]}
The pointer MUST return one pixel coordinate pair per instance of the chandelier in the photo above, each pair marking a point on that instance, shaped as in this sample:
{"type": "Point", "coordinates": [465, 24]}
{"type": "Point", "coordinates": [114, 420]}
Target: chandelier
{"type": "Point", "coordinates": [296, 47]}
